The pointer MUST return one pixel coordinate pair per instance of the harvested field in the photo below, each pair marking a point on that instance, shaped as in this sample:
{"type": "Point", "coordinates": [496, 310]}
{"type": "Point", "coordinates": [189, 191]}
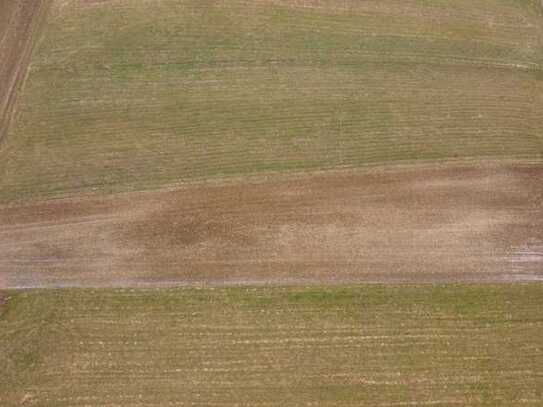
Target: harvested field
{"type": "Point", "coordinates": [446, 223]}
{"type": "Point", "coordinates": [353, 346]}
{"type": "Point", "coordinates": [126, 95]}
{"type": "Point", "coordinates": [20, 21]}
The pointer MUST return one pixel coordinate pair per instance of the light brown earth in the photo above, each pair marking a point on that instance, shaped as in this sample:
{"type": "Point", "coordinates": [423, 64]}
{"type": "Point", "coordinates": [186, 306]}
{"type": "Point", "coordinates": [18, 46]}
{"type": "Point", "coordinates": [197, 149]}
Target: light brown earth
{"type": "Point", "coordinates": [414, 224]}
{"type": "Point", "coordinates": [19, 21]}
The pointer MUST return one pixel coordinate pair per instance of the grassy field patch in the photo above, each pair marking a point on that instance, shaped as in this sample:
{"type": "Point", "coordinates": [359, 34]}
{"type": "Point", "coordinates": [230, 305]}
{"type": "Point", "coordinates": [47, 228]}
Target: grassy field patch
{"type": "Point", "coordinates": [126, 95]}
{"type": "Point", "coordinates": [378, 345]}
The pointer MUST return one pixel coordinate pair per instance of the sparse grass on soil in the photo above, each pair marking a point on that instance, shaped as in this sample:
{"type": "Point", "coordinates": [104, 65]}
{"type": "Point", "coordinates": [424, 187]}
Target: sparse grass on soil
{"type": "Point", "coordinates": [137, 94]}
{"type": "Point", "coordinates": [351, 346]}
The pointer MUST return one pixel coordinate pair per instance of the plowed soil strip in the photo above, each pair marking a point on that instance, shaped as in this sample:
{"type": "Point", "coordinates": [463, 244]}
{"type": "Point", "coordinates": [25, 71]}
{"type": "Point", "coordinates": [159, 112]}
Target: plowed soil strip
{"type": "Point", "coordinates": [19, 20]}
{"type": "Point", "coordinates": [454, 223]}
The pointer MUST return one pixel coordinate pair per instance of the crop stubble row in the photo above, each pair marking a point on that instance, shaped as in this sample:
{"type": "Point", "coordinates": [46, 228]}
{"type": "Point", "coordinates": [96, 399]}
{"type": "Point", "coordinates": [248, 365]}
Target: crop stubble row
{"type": "Point", "coordinates": [373, 345]}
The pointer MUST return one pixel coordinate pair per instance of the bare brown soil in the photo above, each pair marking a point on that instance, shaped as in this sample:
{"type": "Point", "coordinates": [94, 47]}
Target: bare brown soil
{"type": "Point", "coordinates": [19, 20]}
{"type": "Point", "coordinates": [450, 223]}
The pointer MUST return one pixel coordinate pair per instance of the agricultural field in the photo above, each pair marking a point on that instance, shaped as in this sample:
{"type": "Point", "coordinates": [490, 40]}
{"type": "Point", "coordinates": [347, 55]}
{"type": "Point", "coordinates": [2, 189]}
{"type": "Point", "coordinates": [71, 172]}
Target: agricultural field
{"type": "Point", "coordinates": [129, 95]}
{"type": "Point", "coordinates": [348, 346]}
{"type": "Point", "coordinates": [237, 202]}
{"type": "Point", "coordinates": [232, 142]}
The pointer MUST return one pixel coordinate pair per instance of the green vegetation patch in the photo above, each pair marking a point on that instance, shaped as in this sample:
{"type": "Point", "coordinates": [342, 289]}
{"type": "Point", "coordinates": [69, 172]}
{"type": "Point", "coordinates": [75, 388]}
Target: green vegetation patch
{"type": "Point", "coordinates": [360, 345]}
{"type": "Point", "coordinates": [126, 95]}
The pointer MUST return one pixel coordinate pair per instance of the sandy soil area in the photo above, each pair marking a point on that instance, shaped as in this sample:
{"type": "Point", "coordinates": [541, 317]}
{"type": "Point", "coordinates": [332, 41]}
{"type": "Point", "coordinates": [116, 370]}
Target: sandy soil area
{"type": "Point", "coordinates": [421, 224]}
